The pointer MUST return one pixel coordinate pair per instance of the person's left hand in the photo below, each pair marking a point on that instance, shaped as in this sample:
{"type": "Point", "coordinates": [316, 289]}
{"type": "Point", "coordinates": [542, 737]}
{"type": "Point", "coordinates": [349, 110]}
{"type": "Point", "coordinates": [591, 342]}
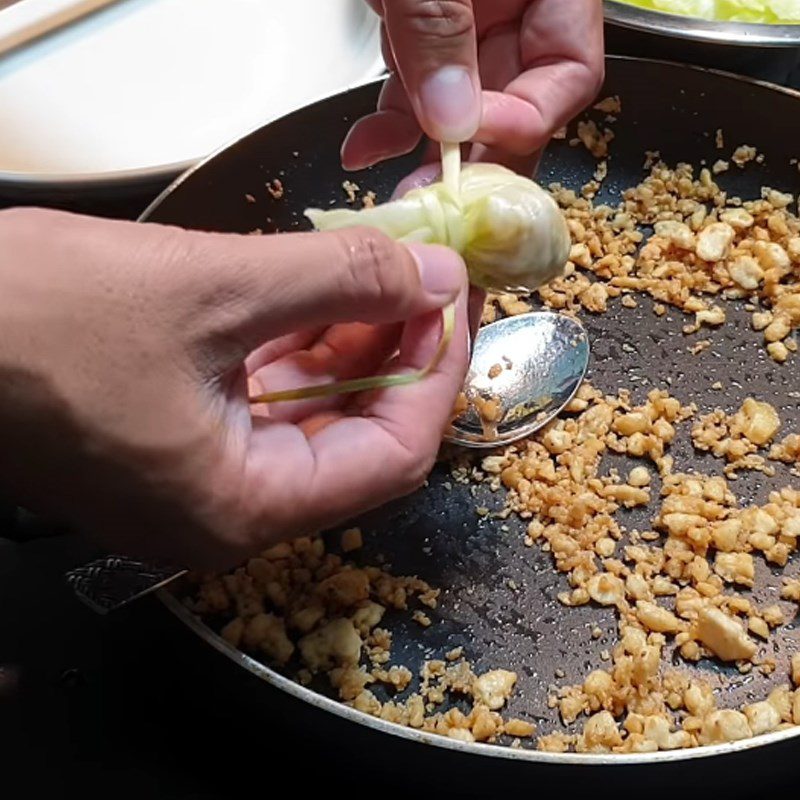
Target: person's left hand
{"type": "Point", "coordinates": [504, 74]}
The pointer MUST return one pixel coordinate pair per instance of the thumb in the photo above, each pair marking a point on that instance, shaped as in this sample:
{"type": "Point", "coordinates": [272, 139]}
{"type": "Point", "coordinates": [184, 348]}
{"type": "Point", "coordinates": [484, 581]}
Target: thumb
{"type": "Point", "coordinates": [435, 48]}
{"type": "Point", "coordinates": [258, 288]}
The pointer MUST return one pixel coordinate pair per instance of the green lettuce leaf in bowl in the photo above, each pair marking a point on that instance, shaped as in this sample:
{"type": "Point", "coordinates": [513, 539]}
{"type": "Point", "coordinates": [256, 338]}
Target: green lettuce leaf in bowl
{"type": "Point", "coordinates": [761, 11]}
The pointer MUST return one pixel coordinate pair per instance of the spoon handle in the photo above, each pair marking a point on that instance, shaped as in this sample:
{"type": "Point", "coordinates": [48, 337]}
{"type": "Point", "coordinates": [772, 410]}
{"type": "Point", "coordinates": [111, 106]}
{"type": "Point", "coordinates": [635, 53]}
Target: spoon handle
{"type": "Point", "coordinates": [109, 583]}
{"type": "Point", "coordinates": [29, 20]}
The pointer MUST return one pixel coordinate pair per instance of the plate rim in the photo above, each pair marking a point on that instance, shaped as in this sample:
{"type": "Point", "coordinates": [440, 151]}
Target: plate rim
{"type": "Point", "coordinates": [107, 179]}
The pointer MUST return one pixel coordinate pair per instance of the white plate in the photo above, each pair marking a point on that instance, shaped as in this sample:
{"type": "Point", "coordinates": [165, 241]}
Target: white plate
{"type": "Point", "coordinates": [145, 88]}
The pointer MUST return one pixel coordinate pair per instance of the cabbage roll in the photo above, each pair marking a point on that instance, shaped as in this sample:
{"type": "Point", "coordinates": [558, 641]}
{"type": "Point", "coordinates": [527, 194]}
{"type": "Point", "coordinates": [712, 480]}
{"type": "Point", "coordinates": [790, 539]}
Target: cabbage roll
{"type": "Point", "coordinates": [509, 231]}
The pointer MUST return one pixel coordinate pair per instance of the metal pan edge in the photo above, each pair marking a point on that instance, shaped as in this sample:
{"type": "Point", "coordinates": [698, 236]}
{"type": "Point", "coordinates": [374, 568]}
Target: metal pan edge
{"type": "Point", "coordinates": [290, 687]}
{"type": "Point", "coordinates": [299, 692]}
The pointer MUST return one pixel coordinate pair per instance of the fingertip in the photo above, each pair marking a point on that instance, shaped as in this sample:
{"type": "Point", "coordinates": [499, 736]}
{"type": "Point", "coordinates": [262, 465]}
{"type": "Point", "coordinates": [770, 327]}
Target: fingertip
{"type": "Point", "coordinates": [353, 153]}
{"type": "Point", "coordinates": [378, 137]}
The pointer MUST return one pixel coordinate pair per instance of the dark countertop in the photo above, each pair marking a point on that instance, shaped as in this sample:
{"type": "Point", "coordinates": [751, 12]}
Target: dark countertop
{"type": "Point", "coordinates": [134, 705]}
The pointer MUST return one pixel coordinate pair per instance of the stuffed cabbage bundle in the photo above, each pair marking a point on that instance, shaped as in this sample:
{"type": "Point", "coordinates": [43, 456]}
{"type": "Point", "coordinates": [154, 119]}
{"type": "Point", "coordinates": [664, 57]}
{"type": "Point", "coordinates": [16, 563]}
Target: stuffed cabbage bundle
{"type": "Point", "coordinates": [509, 231]}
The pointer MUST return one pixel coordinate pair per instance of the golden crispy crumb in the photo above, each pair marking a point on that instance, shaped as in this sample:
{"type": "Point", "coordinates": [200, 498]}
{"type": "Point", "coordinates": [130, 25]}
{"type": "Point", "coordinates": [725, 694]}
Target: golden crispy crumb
{"type": "Point", "coordinates": [594, 140]}
{"type": "Point", "coordinates": [609, 105]}
{"type": "Point", "coordinates": [723, 635]}
{"type": "Point", "coordinates": [743, 155]}
{"type": "Point", "coordinates": [724, 726]}
{"type": "Point", "coordinates": [738, 437]}
{"type": "Point", "coordinates": [351, 190]}
{"type": "Point", "coordinates": [698, 348]}
{"type": "Point", "coordinates": [518, 727]}
{"type": "Point", "coordinates": [555, 743]}
{"type": "Point", "coordinates": [421, 618]}
{"type": "Point", "coordinates": [493, 688]}
{"type": "Point", "coordinates": [352, 540]}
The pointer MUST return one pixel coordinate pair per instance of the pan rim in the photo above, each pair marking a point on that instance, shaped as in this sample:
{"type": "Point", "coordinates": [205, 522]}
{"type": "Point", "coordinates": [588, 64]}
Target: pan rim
{"type": "Point", "coordinates": [184, 176]}
{"type": "Point", "coordinates": [324, 703]}
{"type": "Point", "coordinates": [328, 704]}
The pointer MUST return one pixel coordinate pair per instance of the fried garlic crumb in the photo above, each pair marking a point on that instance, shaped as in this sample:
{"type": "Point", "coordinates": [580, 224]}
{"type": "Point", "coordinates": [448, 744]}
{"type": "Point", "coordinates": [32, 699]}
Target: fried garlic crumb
{"type": "Point", "coordinates": [609, 105]}
{"type": "Point", "coordinates": [743, 155]}
{"type": "Point", "coordinates": [421, 618]}
{"type": "Point", "coordinates": [275, 189]}
{"type": "Point", "coordinates": [352, 540]}
{"type": "Point", "coordinates": [351, 189]}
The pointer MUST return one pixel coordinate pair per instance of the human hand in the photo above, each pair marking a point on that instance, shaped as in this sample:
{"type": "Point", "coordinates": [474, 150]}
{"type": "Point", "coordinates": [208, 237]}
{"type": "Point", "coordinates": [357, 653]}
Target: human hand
{"type": "Point", "coordinates": [504, 74]}
{"type": "Point", "coordinates": [125, 355]}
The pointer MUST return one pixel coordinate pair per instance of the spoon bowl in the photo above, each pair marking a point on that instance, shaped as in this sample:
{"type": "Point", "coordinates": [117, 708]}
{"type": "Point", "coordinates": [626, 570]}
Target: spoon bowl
{"type": "Point", "coordinates": [531, 365]}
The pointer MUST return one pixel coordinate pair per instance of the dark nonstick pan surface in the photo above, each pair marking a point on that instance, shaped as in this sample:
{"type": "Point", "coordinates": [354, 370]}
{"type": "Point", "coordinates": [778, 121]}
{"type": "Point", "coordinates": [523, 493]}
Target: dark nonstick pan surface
{"type": "Point", "coordinates": [436, 532]}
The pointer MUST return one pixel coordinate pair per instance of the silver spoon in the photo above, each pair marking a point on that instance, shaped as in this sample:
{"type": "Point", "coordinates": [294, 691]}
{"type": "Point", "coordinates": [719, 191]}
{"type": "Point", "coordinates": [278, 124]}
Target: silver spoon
{"type": "Point", "coordinates": [533, 364]}
{"type": "Point", "coordinates": [542, 359]}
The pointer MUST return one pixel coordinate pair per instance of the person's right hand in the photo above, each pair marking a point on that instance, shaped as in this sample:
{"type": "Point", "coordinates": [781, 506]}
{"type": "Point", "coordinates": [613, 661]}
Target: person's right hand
{"type": "Point", "coordinates": [125, 353]}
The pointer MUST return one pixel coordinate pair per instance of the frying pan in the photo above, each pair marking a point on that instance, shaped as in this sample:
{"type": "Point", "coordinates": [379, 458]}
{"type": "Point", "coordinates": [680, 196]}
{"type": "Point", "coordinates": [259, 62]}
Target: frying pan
{"type": "Point", "coordinates": [499, 597]}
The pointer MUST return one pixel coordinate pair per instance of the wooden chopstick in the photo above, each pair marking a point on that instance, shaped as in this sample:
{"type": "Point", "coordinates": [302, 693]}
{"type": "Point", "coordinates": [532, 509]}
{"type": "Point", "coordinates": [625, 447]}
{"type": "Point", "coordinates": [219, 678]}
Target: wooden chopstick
{"type": "Point", "coordinates": [24, 22]}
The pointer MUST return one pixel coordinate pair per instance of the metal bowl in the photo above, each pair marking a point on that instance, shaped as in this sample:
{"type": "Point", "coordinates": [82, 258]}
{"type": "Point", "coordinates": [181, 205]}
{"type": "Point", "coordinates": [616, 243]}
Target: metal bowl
{"type": "Point", "coordinates": [742, 34]}
{"type": "Point", "coordinates": [766, 52]}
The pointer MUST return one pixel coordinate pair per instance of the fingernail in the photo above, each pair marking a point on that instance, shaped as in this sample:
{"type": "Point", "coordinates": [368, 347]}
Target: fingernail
{"type": "Point", "coordinates": [441, 270]}
{"type": "Point", "coordinates": [423, 176]}
{"type": "Point", "coordinates": [451, 103]}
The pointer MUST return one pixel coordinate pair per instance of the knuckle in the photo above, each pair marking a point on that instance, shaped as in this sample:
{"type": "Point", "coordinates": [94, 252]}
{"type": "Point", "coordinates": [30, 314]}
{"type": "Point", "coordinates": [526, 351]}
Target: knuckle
{"type": "Point", "coordinates": [440, 19]}
{"type": "Point", "coordinates": [371, 273]}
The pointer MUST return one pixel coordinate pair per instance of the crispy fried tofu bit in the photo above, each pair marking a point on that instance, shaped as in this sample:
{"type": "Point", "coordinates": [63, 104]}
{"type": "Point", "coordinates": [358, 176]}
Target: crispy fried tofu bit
{"type": "Point", "coordinates": [760, 421]}
{"type": "Point", "coordinates": [336, 644]}
{"type": "Point", "coordinates": [714, 242]}
{"type": "Point", "coordinates": [493, 688]}
{"type": "Point", "coordinates": [723, 635]}
{"type": "Point", "coordinates": [724, 726]}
